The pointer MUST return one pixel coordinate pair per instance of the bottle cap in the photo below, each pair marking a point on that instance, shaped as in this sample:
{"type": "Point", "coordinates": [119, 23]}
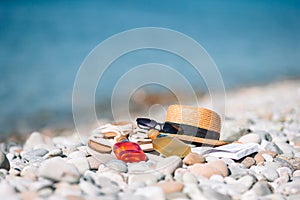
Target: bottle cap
{"type": "Point", "coordinates": [120, 138]}
{"type": "Point", "coordinates": [153, 133]}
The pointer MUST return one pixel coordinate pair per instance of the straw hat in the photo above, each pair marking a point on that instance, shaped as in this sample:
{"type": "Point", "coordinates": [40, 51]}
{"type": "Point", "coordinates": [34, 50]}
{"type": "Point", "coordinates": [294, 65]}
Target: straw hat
{"type": "Point", "coordinates": [206, 120]}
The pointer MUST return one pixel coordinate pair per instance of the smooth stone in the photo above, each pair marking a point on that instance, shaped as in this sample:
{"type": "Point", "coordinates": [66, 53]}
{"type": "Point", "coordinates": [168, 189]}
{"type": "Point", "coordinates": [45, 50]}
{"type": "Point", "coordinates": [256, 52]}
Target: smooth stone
{"type": "Point", "coordinates": [67, 190]}
{"type": "Point", "coordinates": [212, 194]}
{"type": "Point", "coordinates": [151, 192]}
{"type": "Point", "coordinates": [30, 172]}
{"type": "Point", "coordinates": [4, 163]}
{"type": "Point", "coordinates": [76, 154]}
{"type": "Point", "coordinates": [176, 196]}
{"type": "Point", "coordinates": [217, 178]}
{"type": "Point", "coordinates": [219, 165]}
{"type": "Point", "coordinates": [40, 184]}
{"type": "Point", "coordinates": [249, 195]}
{"type": "Point", "coordinates": [93, 162]}
{"type": "Point", "coordinates": [45, 192]}
{"type": "Point", "coordinates": [3, 173]}
{"type": "Point", "coordinates": [117, 165]}
{"type": "Point", "coordinates": [193, 158]}
{"type": "Point", "coordinates": [169, 164]}
{"type": "Point", "coordinates": [189, 178]}
{"type": "Point", "coordinates": [67, 172]}
{"type": "Point", "coordinates": [89, 188]}
{"type": "Point", "coordinates": [290, 188]}
{"type": "Point", "coordinates": [293, 197]}
{"type": "Point", "coordinates": [193, 191]}
{"type": "Point", "coordinates": [267, 157]}
{"type": "Point", "coordinates": [287, 149]}
{"type": "Point", "coordinates": [230, 180]}
{"type": "Point", "coordinates": [237, 170]}
{"type": "Point", "coordinates": [264, 135]}
{"type": "Point", "coordinates": [296, 141]}
{"type": "Point", "coordinates": [211, 158]}
{"type": "Point", "coordinates": [296, 173]}
{"type": "Point", "coordinates": [112, 180]}
{"type": "Point", "coordinates": [272, 197]}
{"type": "Point", "coordinates": [81, 163]}
{"type": "Point", "coordinates": [270, 174]}
{"type": "Point", "coordinates": [209, 169]}
{"type": "Point", "coordinates": [295, 162]}
{"type": "Point", "coordinates": [284, 172]}
{"type": "Point", "coordinates": [139, 168]}
{"type": "Point", "coordinates": [170, 186]}
{"type": "Point", "coordinates": [228, 161]}
{"type": "Point", "coordinates": [39, 152]}
{"type": "Point", "coordinates": [147, 179]}
{"type": "Point", "coordinates": [261, 188]}
{"type": "Point", "coordinates": [284, 163]}
{"type": "Point", "coordinates": [28, 195]}
{"type": "Point", "coordinates": [20, 184]}
{"type": "Point", "coordinates": [244, 184]}
{"type": "Point", "coordinates": [271, 146]}
{"type": "Point", "coordinates": [178, 174]}
{"type": "Point", "coordinates": [101, 157]}
{"type": "Point", "coordinates": [35, 140]}
{"type": "Point", "coordinates": [248, 162]}
{"type": "Point", "coordinates": [53, 152]}
{"type": "Point", "coordinates": [250, 138]}
{"type": "Point", "coordinates": [260, 159]}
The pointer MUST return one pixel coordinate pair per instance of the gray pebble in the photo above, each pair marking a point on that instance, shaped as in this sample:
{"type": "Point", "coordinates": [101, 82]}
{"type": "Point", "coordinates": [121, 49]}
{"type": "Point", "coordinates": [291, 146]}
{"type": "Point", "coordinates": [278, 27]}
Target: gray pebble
{"type": "Point", "coordinates": [287, 149]}
{"type": "Point", "coordinates": [169, 164]}
{"type": "Point", "coordinates": [33, 154]}
{"type": "Point", "coordinates": [4, 163]}
{"type": "Point", "coordinates": [147, 179]}
{"type": "Point", "coordinates": [80, 163]}
{"type": "Point", "coordinates": [272, 197]}
{"type": "Point", "coordinates": [290, 188]}
{"type": "Point", "coordinates": [296, 173]}
{"type": "Point", "coordinates": [35, 140]}
{"type": "Point", "coordinates": [244, 183]}
{"type": "Point", "coordinates": [264, 135]}
{"type": "Point", "coordinates": [237, 170]}
{"type": "Point", "coordinates": [210, 158]}
{"type": "Point", "coordinates": [76, 154]}
{"type": "Point", "coordinates": [151, 192]}
{"type": "Point", "coordinates": [270, 174]}
{"type": "Point", "coordinates": [283, 163]}
{"type": "Point", "coordinates": [212, 194]}
{"type": "Point", "coordinates": [293, 197]}
{"type": "Point", "coordinates": [267, 157]}
{"type": "Point", "coordinates": [250, 138]}
{"type": "Point", "coordinates": [89, 188]}
{"type": "Point", "coordinates": [261, 188]}
{"type": "Point", "coordinates": [58, 170]}
{"type": "Point", "coordinates": [117, 165]}
{"type": "Point", "coordinates": [271, 146]}
{"type": "Point", "coordinates": [189, 178]}
{"type": "Point", "coordinates": [53, 152]}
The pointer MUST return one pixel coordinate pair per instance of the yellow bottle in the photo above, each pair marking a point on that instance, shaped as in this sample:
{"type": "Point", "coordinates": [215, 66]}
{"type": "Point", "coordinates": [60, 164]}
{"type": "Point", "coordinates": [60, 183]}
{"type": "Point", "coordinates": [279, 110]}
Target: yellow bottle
{"type": "Point", "coordinates": [167, 145]}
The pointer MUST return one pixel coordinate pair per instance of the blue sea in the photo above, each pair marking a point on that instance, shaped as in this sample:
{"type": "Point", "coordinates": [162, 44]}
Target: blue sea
{"type": "Point", "coordinates": [43, 43]}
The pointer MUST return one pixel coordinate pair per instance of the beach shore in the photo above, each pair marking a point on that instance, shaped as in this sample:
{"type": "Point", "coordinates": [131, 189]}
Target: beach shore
{"type": "Point", "coordinates": [58, 165]}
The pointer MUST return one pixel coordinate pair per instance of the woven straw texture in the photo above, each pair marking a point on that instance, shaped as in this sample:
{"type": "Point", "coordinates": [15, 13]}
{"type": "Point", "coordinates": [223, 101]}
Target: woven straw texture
{"type": "Point", "coordinates": [194, 116]}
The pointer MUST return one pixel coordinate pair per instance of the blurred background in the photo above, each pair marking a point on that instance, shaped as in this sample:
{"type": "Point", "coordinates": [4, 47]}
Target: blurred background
{"type": "Point", "coordinates": [43, 43]}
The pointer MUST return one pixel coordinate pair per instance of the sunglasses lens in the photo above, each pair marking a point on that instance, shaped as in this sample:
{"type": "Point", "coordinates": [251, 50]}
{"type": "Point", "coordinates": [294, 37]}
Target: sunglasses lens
{"type": "Point", "coordinates": [146, 123]}
{"type": "Point", "coordinates": [171, 128]}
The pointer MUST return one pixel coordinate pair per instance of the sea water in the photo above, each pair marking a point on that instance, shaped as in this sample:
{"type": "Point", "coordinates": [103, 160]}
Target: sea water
{"type": "Point", "coordinates": [43, 43]}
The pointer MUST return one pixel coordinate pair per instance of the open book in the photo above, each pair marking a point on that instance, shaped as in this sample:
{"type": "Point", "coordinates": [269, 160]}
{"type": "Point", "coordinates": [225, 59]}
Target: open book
{"type": "Point", "coordinates": [234, 150]}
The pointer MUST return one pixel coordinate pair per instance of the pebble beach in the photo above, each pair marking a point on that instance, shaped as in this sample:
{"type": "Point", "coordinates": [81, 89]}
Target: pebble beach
{"type": "Point", "coordinates": [63, 167]}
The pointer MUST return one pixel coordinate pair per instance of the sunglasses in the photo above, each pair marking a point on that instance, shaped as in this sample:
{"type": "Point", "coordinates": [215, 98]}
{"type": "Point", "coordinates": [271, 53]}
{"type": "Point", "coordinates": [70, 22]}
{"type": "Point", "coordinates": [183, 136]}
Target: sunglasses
{"type": "Point", "coordinates": [147, 124]}
{"type": "Point", "coordinates": [174, 128]}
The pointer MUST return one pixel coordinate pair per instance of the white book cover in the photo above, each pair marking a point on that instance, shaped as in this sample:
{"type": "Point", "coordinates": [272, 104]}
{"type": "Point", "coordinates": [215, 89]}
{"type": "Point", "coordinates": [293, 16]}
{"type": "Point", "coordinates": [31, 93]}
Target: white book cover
{"type": "Point", "coordinates": [234, 150]}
